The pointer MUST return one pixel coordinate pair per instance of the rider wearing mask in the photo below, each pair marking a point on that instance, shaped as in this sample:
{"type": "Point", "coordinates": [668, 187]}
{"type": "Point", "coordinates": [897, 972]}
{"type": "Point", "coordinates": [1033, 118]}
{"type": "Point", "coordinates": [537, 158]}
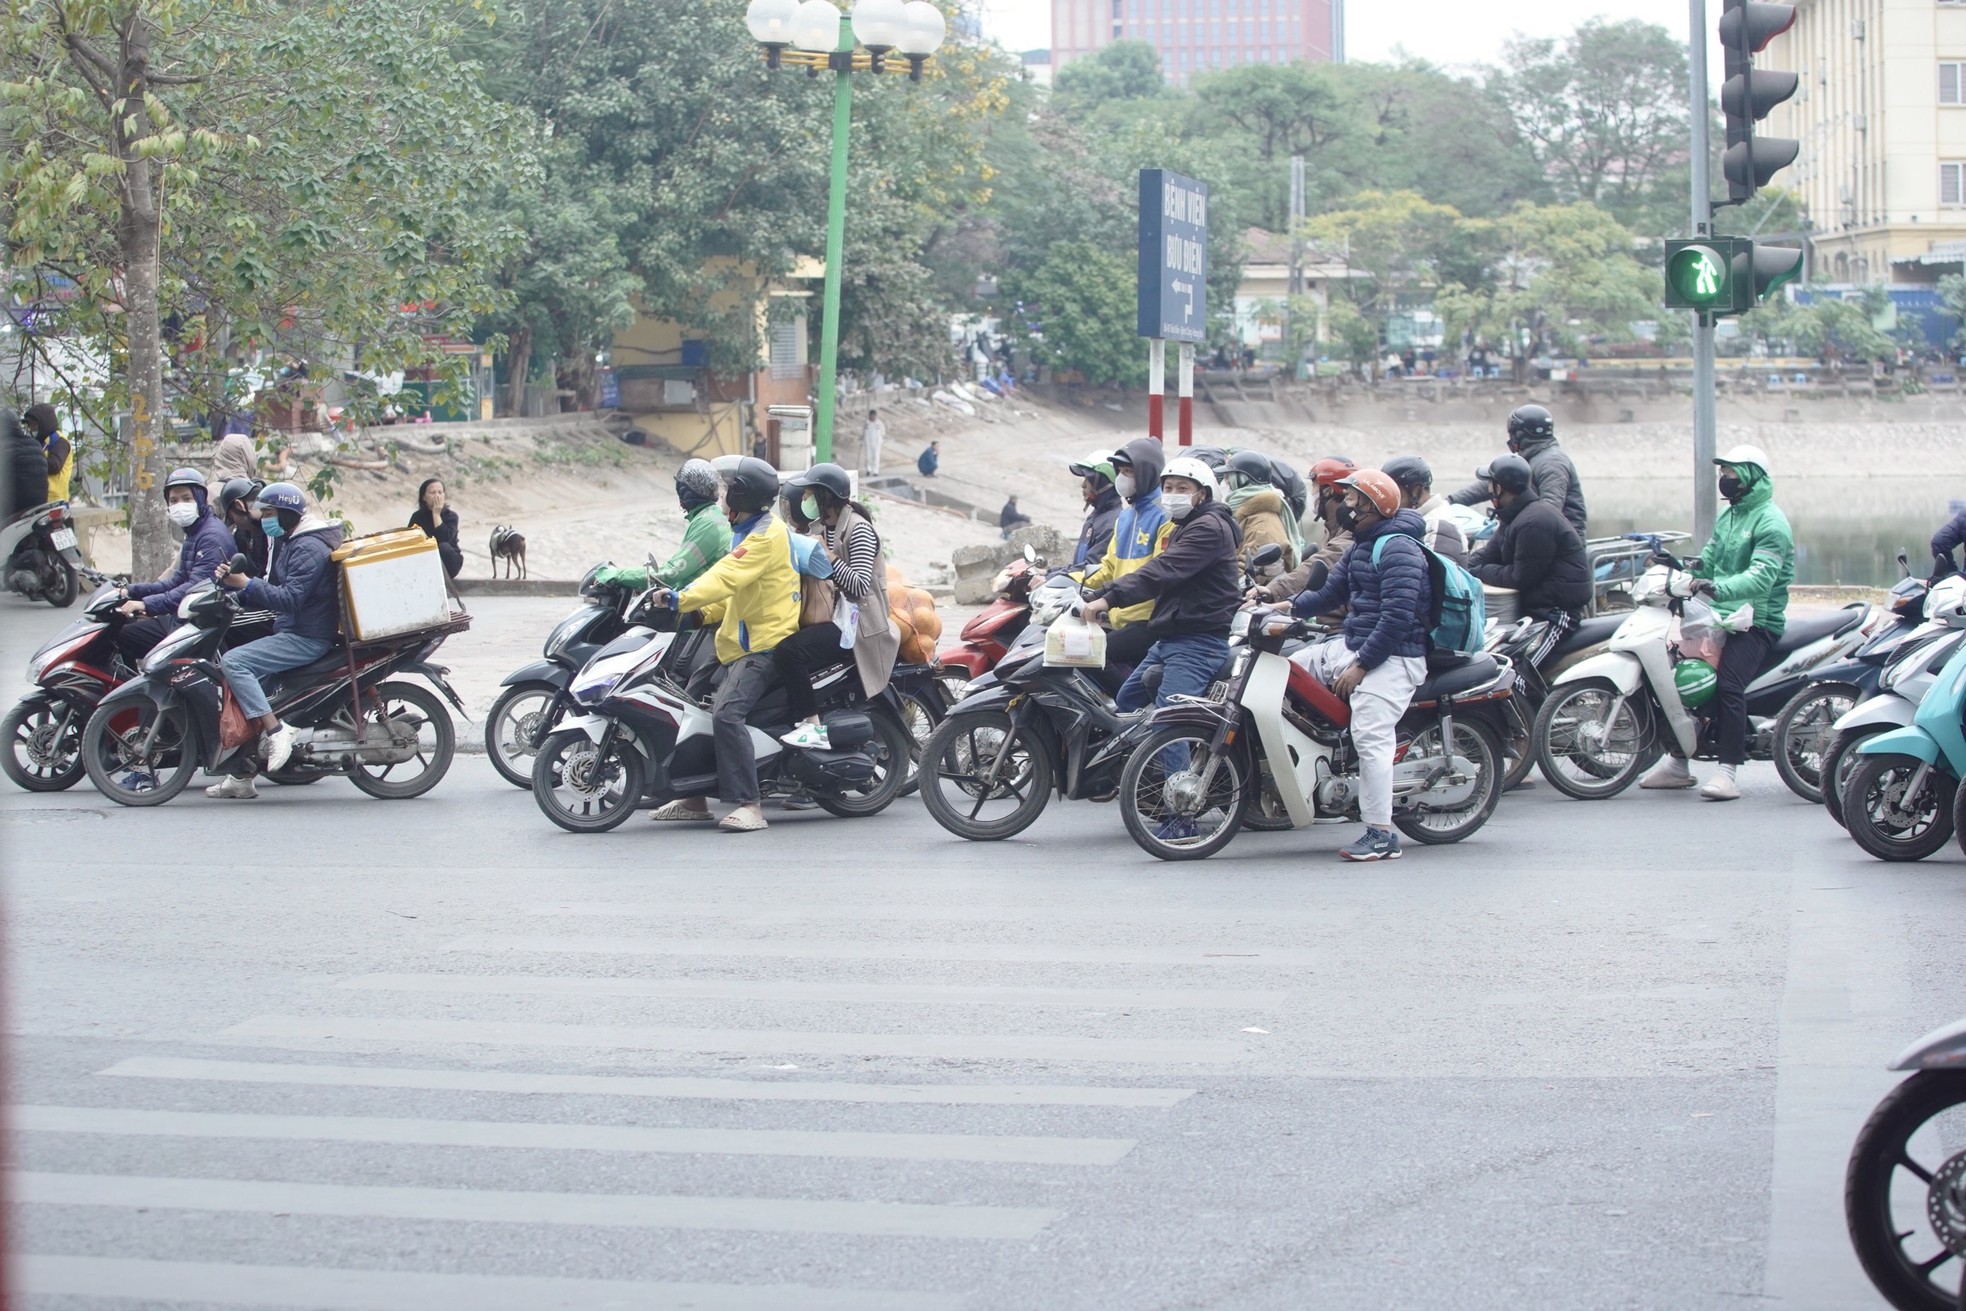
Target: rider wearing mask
{"type": "Point", "coordinates": [706, 534]}
{"type": "Point", "coordinates": [753, 594]}
{"type": "Point", "coordinates": [44, 427]}
{"type": "Point", "coordinates": [1750, 560]}
{"type": "Point", "coordinates": [1416, 492]}
{"type": "Point", "coordinates": [238, 502]}
{"type": "Point", "coordinates": [1385, 582]}
{"type": "Point", "coordinates": [1532, 435]}
{"type": "Point", "coordinates": [1534, 551]}
{"type": "Point", "coordinates": [206, 546]}
{"type": "Point", "coordinates": [1326, 475]}
{"type": "Point", "coordinates": [1138, 535]}
{"type": "Point", "coordinates": [1102, 508]}
{"type": "Point", "coordinates": [1262, 515]}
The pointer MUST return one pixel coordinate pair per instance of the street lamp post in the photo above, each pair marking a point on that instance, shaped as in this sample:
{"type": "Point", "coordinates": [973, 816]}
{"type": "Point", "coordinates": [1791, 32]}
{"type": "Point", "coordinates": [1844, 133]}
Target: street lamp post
{"type": "Point", "coordinates": [815, 35]}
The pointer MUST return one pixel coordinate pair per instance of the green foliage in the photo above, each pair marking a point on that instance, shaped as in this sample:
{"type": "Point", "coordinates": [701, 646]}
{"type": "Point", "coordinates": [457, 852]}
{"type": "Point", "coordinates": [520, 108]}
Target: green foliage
{"type": "Point", "coordinates": [1083, 294]}
{"type": "Point", "coordinates": [1563, 274]}
{"type": "Point", "coordinates": [1124, 70]}
{"type": "Point", "coordinates": [1952, 298]}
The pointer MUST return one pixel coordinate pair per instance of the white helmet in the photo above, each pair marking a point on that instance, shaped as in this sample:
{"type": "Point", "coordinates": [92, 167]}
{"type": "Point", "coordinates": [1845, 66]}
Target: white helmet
{"type": "Point", "coordinates": [1753, 455]}
{"type": "Point", "coordinates": [1195, 471]}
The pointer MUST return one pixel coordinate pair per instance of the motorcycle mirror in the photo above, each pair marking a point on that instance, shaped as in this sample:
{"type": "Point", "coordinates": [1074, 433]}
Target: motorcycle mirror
{"type": "Point", "coordinates": [1030, 556]}
{"type": "Point", "coordinates": [239, 564]}
{"type": "Point", "coordinates": [1904, 561]}
{"type": "Point", "coordinates": [1266, 556]}
{"type": "Point", "coordinates": [1320, 574]}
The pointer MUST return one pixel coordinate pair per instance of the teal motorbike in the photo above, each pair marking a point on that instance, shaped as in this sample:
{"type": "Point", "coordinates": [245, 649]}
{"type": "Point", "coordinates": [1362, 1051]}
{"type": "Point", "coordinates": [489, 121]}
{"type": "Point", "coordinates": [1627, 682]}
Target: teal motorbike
{"type": "Point", "coordinates": [1903, 798]}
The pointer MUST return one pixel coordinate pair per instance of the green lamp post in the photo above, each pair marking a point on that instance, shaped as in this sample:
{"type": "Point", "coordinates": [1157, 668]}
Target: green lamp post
{"type": "Point", "coordinates": [815, 35]}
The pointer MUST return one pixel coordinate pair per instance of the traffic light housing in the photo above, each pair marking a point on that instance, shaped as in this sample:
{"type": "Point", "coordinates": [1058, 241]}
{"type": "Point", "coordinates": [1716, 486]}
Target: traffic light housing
{"type": "Point", "coordinates": [1726, 275]}
{"type": "Point", "coordinates": [1746, 28]}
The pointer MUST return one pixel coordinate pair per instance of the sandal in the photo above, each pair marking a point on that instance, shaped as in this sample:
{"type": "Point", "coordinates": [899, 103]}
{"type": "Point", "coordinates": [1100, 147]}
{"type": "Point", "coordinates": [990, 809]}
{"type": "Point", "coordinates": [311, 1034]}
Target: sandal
{"type": "Point", "coordinates": [742, 821]}
{"type": "Point", "coordinates": [681, 812]}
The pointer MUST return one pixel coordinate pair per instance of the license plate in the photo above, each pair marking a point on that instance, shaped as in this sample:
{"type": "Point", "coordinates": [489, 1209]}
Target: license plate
{"type": "Point", "coordinates": [63, 538]}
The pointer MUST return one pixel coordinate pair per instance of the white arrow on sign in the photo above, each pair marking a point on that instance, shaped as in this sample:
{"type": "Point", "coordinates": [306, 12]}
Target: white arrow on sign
{"type": "Point", "coordinates": [1187, 289]}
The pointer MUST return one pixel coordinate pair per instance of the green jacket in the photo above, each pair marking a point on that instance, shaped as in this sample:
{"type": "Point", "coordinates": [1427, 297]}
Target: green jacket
{"type": "Point", "coordinates": [1751, 559]}
{"type": "Point", "coordinates": [706, 540]}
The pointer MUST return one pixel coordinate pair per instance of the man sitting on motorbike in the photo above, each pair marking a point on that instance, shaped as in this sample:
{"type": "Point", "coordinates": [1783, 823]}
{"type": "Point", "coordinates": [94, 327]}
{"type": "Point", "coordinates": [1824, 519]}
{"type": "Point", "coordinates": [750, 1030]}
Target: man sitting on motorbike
{"type": "Point", "coordinates": [303, 592]}
{"type": "Point", "coordinates": [753, 594]}
{"type": "Point", "coordinates": [1102, 508]}
{"type": "Point", "coordinates": [1380, 658]}
{"type": "Point", "coordinates": [1416, 492]}
{"type": "Point", "coordinates": [152, 607]}
{"type": "Point", "coordinates": [706, 534]}
{"type": "Point", "coordinates": [1532, 435]}
{"type": "Point", "coordinates": [1326, 475]}
{"type": "Point", "coordinates": [1262, 515]}
{"type": "Point", "coordinates": [1138, 535]}
{"type": "Point", "coordinates": [238, 501]}
{"type": "Point", "coordinates": [1944, 542]}
{"type": "Point", "coordinates": [1534, 551]}
{"type": "Point", "coordinates": [1749, 561]}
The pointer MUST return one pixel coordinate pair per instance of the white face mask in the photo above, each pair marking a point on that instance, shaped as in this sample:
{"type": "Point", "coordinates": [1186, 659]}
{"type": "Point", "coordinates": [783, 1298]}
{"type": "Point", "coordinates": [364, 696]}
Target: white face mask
{"type": "Point", "coordinates": [1179, 505]}
{"type": "Point", "coordinates": [182, 513]}
{"type": "Point", "coordinates": [1124, 486]}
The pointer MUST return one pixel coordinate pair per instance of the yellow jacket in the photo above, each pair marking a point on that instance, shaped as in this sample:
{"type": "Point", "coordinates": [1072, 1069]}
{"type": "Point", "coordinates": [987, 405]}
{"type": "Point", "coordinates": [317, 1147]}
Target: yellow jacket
{"type": "Point", "coordinates": [1137, 538]}
{"type": "Point", "coordinates": [753, 592]}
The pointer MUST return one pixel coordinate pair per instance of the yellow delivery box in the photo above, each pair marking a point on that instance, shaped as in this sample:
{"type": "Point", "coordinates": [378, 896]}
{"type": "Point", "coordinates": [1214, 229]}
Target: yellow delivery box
{"type": "Point", "coordinates": [391, 583]}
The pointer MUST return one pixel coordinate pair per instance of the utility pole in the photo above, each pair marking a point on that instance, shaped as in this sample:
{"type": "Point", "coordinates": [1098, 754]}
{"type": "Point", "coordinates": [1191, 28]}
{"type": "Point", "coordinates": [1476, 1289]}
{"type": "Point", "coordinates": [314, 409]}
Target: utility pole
{"type": "Point", "coordinates": [1705, 420]}
{"type": "Point", "coordinates": [1296, 292]}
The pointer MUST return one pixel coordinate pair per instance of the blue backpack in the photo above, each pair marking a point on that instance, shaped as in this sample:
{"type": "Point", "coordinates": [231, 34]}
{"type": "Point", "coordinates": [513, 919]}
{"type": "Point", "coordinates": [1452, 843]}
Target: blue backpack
{"type": "Point", "coordinates": [1459, 612]}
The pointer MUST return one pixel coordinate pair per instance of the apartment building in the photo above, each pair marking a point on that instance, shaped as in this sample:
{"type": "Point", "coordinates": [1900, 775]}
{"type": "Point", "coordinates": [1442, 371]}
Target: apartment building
{"type": "Point", "coordinates": [1881, 115]}
{"type": "Point", "coordinates": [1195, 36]}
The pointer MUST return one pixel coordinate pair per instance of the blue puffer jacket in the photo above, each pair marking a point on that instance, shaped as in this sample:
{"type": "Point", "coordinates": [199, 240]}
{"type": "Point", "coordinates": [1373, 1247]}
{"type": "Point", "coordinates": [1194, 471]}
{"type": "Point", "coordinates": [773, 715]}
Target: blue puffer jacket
{"type": "Point", "coordinates": [207, 545]}
{"type": "Point", "coordinates": [1389, 602]}
{"type": "Point", "coordinates": [302, 586]}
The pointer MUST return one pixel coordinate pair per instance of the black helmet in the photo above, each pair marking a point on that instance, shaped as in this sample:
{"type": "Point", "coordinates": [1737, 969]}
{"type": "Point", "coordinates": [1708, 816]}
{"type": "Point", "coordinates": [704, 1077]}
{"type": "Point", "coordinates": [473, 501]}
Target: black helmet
{"type": "Point", "coordinates": [1408, 471]}
{"type": "Point", "coordinates": [1527, 422]}
{"type": "Point", "coordinates": [1254, 466]}
{"type": "Point", "coordinates": [751, 486]}
{"type": "Point", "coordinates": [829, 477]}
{"type": "Point", "coordinates": [238, 489]}
{"type": "Point", "coordinates": [696, 484]}
{"type": "Point", "coordinates": [1509, 472]}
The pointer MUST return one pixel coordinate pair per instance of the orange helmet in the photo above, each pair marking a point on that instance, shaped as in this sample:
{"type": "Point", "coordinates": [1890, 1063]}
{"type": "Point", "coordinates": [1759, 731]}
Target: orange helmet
{"type": "Point", "coordinates": [1328, 471]}
{"type": "Point", "coordinates": [1377, 487]}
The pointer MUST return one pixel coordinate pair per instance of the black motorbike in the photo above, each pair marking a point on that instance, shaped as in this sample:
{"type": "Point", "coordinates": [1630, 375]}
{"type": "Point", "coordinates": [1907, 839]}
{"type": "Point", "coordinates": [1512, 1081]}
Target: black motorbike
{"type": "Point", "coordinates": [1516, 643]}
{"type": "Point", "coordinates": [43, 560]}
{"type": "Point", "coordinates": [535, 698]}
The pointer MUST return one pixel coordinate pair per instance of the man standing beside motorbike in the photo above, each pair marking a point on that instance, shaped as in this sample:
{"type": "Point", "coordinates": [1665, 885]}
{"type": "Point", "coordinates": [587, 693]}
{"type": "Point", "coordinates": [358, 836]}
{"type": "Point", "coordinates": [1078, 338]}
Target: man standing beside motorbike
{"type": "Point", "coordinates": [1102, 508]}
{"type": "Point", "coordinates": [1138, 535]}
{"type": "Point", "coordinates": [206, 547]}
{"type": "Point", "coordinates": [1385, 582]}
{"type": "Point", "coordinates": [1750, 561]}
{"type": "Point", "coordinates": [1534, 552]}
{"type": "Point", "coordinates": [44, 426]}
{"type": "Point", "coordinates": [1532, 435]}
{"type": "Point", "coordinates": [26, 465]}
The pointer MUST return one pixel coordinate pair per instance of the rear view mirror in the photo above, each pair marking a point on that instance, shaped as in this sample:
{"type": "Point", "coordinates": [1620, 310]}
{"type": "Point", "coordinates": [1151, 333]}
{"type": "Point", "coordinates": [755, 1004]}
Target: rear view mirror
{"type": "Point", "coordinates": [1320, 574]}
{"type": "Point", "coordinates": [1030, 556]}
{"type": "Point", "coordinates": [1266, 556]}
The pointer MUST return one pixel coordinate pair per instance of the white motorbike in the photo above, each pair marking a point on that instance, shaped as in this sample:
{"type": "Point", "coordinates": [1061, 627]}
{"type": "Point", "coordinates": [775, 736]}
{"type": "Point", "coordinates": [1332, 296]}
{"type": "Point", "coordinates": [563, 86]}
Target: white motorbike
{"type": "Point", "coordinates": [1900, 688]}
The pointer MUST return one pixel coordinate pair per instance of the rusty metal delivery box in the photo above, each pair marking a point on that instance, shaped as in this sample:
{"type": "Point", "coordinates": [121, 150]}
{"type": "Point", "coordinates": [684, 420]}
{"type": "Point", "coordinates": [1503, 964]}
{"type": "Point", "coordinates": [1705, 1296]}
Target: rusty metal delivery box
{"type": "Point", "coordinates": [391, 583]}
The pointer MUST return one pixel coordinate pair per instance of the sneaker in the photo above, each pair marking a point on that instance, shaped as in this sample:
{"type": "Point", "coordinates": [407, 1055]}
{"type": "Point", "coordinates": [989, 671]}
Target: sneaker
{"type": "Point", "coordinates": [1721, 787]}
{"type": "Point", "coordinates": [1668, 775]}
{"type": "Point", "coordinates": [278, 746]}
{"type": "Point", "coordinates": [232, 789]}
{"type": "Point", "coordinates": [797, 801]}
{"type": "Point", "coordinates": [1176, 829]}
{"type": "Point", "coordinates": [136, 780]}
{"type": "Point", "coordinates": [808, 737]}
{"type": "Point", "coordinates": [1373, 844]}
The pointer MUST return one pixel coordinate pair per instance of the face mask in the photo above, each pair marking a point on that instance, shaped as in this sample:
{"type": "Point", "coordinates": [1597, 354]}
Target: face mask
{"type": "Point", "coordinates": [1731, 487]}
{"type": "Point", "coordinates": [1124, 485]}
{"type": "Point", "coordinates": [1347, 516]}
{"type": "Point", "coordinates": [1179, 505]}
{"type": "Point", "coordinates": [809, 506]}
{"type": "Point", "coordinates": [272, 528]}
{"type": "Point", "coordinates": [182, 513]}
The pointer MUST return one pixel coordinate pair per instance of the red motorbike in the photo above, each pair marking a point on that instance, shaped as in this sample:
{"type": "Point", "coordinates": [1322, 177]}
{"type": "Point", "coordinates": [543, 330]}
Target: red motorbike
{"type": "Point", "coordinates": [988, 635]}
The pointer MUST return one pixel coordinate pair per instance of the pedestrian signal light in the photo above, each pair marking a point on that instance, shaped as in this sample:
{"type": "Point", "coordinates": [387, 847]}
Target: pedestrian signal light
{"type": "Point", "coordinates": [1699, 277]}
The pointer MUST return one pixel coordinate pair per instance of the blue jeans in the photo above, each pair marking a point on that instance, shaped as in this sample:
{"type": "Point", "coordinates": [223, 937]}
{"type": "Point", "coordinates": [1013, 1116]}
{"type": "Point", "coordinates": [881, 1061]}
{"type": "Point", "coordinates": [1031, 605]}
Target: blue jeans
{"type": "Point", "coordinates": [245, 665]}
{"type": "Point", "coordinates": [1188, 666]}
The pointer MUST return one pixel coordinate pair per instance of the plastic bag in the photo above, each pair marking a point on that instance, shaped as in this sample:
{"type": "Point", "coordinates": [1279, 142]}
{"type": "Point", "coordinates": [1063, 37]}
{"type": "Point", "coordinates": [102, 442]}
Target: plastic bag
{"type": "Point", "coordinates": [846, 617]}
{"type": "Point", "coordinates": [1701, 634]}
{"type": "Point", "coordinates": [1073, 643]}
{"type": "Point", "coordinates": [1741, 620]}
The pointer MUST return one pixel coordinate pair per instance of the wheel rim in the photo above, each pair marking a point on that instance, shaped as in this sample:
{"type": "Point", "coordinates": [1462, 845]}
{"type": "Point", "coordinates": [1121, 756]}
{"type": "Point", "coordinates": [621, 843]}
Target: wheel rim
{"type": "Point", "coordinates": [518, 729]}
{"type": "Point", "coordinates": [135, 760]}
{"type": "Point", "coordinates": [410, 723]}
{"type": "Point", "coordinates": [585, 786]}
{"type": "Point", "coordinates": [47, 743]}
{"type": "Point", "coordinates": [1186, 792]}
{"type": "Point", "coordinates": [1462, 791]}
{"type": "Point", "coordinates": [1892, 815]}
{"type": "Point", "coordinates": [985, 772]}
{"type": "Point", "coordinates": [1810, 732]}
{"type": "Point", "coordinates": [1588, 744]}
{"type": "Point", "coordinates": [1924, 1201]}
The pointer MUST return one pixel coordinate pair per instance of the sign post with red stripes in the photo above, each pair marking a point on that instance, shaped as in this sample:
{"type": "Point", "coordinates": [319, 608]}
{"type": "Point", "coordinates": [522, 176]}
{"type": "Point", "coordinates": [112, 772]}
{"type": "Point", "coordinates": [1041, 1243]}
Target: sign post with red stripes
{"type": "Point", "coordinates": [1173, 287]}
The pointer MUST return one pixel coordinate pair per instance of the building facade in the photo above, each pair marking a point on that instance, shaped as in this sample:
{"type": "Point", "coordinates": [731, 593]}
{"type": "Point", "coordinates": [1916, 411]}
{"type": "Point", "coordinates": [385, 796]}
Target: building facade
{"type": "Point", "coordinates": [1880, 113]}
{"type": "Point", "coordinates": [1198, 36]}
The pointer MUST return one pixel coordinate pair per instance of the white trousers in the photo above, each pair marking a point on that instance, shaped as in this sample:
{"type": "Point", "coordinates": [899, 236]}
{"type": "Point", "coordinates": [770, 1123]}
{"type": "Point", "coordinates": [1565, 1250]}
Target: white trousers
{"type": "Point", "coordinates": [1377, 704]}
{"type": "Point", "coordinates": [870, 453]}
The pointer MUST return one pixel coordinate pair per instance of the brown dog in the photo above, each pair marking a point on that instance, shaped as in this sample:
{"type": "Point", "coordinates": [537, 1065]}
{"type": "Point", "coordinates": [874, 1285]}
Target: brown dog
{"type": "Point", "coordinates": [508, 544]}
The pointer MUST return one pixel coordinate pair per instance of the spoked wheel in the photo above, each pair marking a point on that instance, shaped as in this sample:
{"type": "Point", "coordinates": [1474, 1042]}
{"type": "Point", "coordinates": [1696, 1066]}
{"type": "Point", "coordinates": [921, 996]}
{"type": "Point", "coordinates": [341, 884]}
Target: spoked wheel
{"type": "Point", "coordinates": [1904, 1195]}
{"type": "Point", "coordinates": [428, 740]}
{"type": "Point", "coordinates": [140, 754]}
{"type": "Point", "coordinates": [984, 778]}
{"type": "Point", "coordinates": [66, 588]}
{"type": "Point", "coordinates": [1181, 799]}
{"type": "Point", "coordinates": [1464, 796]}
{"type": "Point", "coordinates": [1839, 763]}
{"type": "Point", "coordinates": [42, 741]}
{"type": "Point", "coordinates": [1803, 732]}
{"type": "Point", "coordinates": [919, 715]}
{"type": "Point", "coordinates": [1590, 743]}
{"type": "Point", "coordinates": [513, 729]}
{"type": "Point", "coordinates": [582, 791]}
{"type": "Point", "coordinates": [1264, 812]}
{"type": "Point", "coordinates": [1892, 819]}
{"type": "Point", "coordinates": [893, 752]}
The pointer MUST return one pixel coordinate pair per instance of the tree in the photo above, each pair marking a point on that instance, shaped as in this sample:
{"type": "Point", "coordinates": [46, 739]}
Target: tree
{"type": "Point", "coordinates": [1952, 299]}
{"type": "Point", "coordinates": [1399, 246]}
{"type": "Point", "coordinates": [1082, 297]}
{"type": "Point", "coordinates": [1124, 70]}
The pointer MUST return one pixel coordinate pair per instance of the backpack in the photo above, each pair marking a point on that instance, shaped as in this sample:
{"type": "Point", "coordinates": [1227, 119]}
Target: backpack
{"type": "Point", "coordinates": [1458, 612]}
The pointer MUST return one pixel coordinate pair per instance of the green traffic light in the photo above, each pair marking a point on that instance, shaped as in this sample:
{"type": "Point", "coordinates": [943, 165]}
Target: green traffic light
{"type": "Point", "coordinates": [1699, 275]}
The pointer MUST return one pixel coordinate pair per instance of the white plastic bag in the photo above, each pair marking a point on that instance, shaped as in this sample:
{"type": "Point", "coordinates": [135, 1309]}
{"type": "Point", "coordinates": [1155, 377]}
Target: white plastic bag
{"type": "Point", "coordinates": [1073, 643]}
{"type": "Point", "coordinates": [1701, 634]}
{"type": "Point", "coordinates": [846, 617]}
{"type": "Point", "coordinates": [1741, 620]}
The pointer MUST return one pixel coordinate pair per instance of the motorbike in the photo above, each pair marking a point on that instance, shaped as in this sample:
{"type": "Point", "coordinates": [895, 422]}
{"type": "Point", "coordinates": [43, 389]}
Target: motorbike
{"type": "Point", "coordinates": [1904, 1191]}
{"type": "Point", "coordinates": [147, 738]}
{"type": "Point", "coordinates": [1900, 802]}
{"type": "Point", "coordinates": [1900, 687]}
{"type": "Point", "coordinates": [991, 631]}
{"type": "Point", "coordinates": [637, 738]}
{"type": "Point", "coordinates": [1189, 784]}
{"type": "Point", "coordinates": [44, 563]}
{"type": "Point", "coordinates": [1516, 642]}
{"type": "Point", "coordinates": [536, 698]}
{"type": "Point", "coordinates": [1609, 718]}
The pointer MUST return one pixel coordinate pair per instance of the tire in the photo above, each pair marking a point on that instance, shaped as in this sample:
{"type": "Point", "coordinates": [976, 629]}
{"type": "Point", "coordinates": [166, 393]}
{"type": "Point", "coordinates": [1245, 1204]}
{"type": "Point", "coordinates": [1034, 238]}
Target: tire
{"type": "Point", "coordinates": [1265, 813]}
{"type": "Point", "coordinates": [1156, 793]}
{"type": "Point", "coordinates": [1515, 768]}
{"type": "Point", "coordinates": [1878, 1229]}
{"type": "Point", "coordinates": [1592, 764]}
{"type": "Point", "coordinates": [894, 761]}
{"type": "Point", "coordinates": [71, 586]}
{"type": "Point", "coordinates": [1477, 743]}
{"type": "Point", "coordinates": [1803, 731]}
{"type": "Point", "coordinates": [1838, 765]}
{"type": "Point", "coordinates": [959, 755]}
{"type": "Point", "coordinates": [1870, 808]}
{"type": "Point", "coordinates": [512, 725]}
{"type": "Point", "coordinates": [291, 775]}
{"type": "Point", "coordinates": [41, 739]}
{"type": "Point", "coordinates": [600, 793]}
{"type": "Point", "coordinates": [123, 771]}
{"type": "Point", "coordinates": [436, 743]}
{"type": "Point", "coordinates": [920, 715]}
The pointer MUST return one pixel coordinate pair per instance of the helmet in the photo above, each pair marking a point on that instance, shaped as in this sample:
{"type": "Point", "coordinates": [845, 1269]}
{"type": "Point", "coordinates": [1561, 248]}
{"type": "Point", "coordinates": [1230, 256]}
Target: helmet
{"type": "Point", "coordinates": [1695, 681]}
{"type": "Point", "coordinates": [1329, 471]}
{"type": "Point", "coordinates": [239, 489]}
{"type": "Point", "coordinates": [283, 496]}
{"type": "Point", "coordinates": [1377, 488]}
{"type": "Point", "coordinates": [185, 477]}
{"type": "Point", "coordinates": [696, 483]}
{"type": "Point", "coordinates": [1254, 466]}
{"type": "Point", "coordinates": [1408, 471]}
{"type": "Point", "coordinates": [750, 487]}
{"type": "Point", "coordinates": [1187, 466]}
{"type": "Point", "coordinates": [1215, 457]}
{"type": "Point", "coordinates": [725, 465]}
{"type": "Point", "coordinates": [1746, 455]}
{"type": "Point", "coordinates": [1530, 421]}
{"type": "Point", "coordinates": [1099, 464]}
{"type": "Point", "coordinates": [1509, 472]}
{"type": "Point", "coordinates": [830, 477]}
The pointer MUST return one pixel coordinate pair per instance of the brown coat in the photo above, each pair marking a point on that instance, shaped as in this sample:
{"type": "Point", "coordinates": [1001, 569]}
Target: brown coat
{"type": "Point", "coordinates": [877, 643]}
{"type": "Point", "coordinates": [1298, 580]}
{"type": "Point", "coordinates": [1260, 517]}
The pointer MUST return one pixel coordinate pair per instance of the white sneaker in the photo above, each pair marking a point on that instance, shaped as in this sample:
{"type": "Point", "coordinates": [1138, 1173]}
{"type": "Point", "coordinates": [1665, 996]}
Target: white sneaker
{"type": "Point", "coordinates": [1669, 774]}
{"type": "Point", "coordinates": [808, 737]}
{"type": "Point", "coordinates": [232, 788]}
{"type": "Point", "coordinates": [1721, 787]}
{"type": "Point", "coordinates": [278, 746]}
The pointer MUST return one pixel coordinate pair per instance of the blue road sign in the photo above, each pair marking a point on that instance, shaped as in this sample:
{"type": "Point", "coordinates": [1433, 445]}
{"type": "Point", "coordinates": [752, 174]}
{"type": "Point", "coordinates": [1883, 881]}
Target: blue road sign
{"type": "Point", "coordinates": [1173, 256]}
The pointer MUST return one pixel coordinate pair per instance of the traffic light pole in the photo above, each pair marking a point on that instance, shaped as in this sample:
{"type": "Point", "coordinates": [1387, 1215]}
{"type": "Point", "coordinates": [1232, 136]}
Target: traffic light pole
{"type": "Point", "coordinates": [1705, 420]}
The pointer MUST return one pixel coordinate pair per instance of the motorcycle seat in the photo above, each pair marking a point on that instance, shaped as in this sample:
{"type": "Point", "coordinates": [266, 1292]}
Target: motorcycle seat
{"type": "Point", "coordinates": [1589, 632]}
{"type": "Point", "coordinates": [1802, 630]}
{"type": "Point", "coordinates": [334, 662]}
{"type": "Point", "coordinates": [1469, 672]}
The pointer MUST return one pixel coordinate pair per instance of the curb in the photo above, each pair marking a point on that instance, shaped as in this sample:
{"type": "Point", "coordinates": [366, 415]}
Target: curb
{"type": "Point", "coordinates": [515, 587]}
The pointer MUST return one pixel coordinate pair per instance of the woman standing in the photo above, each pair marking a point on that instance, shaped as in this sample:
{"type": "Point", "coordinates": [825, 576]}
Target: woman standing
{"type": "Point", "coordinates": [438, 520]}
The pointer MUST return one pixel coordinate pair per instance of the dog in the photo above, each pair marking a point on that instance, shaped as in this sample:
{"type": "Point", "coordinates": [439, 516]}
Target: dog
{"type": "Point", "coordinates": [508, 544]}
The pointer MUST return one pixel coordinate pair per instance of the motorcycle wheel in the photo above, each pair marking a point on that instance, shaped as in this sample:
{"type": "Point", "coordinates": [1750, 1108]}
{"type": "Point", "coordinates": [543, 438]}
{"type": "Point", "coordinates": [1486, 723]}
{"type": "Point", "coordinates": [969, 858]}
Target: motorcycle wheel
{"type": "Point", "coordinates": [1803, 731]}
{"type": "Point", "coordinates": [958, 758]}
{"type": "Point", "coordinates": [123, 771]}
{"type": "Point", "coordinates": [1582, 754]}
{"type": "Point", "coordinates": [512, 729]}
{"type": "Point", "coordinates": [1873, 811]}
{"type": "Point", "coordinates": [291, 775]}
{"type": "Point", "coordinates": [69, 588]}
{"type": "Point", "coordinates": [1883, 1215]}
{"type": "Point", "coordinates": [436, 743]}
{"type": "Point", "coordinates": [1162, 802]}
{"type": "Point", "coordinates": [581, 792]}
{"type": "Point", "coordinates": [893, 748]}
{"type": "Point", "coordinates": [42, 741]}
{"type": "Point", "coordinates": [1265, 812]}
{"type": "Point", "coordinates": [1476, 742]}
{"type": "Point", "coordinates": [1838, 765]}
{"type": "Point", "coordinates": [920, 715]}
